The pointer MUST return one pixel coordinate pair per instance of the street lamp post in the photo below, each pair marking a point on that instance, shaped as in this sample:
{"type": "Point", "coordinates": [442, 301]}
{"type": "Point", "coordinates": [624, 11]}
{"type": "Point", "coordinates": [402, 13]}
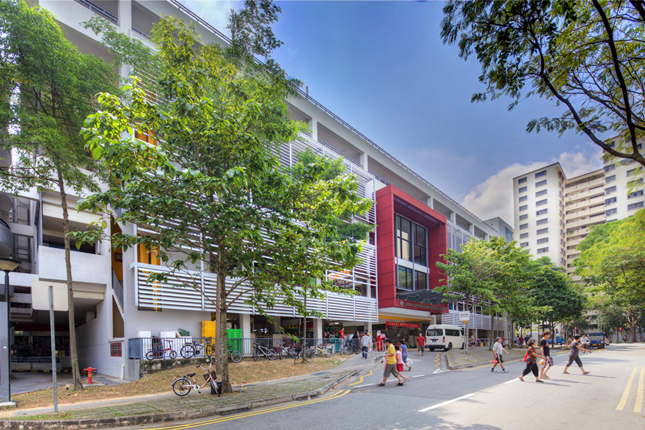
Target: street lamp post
{"type": "Point", "coordinates": [6, 265]}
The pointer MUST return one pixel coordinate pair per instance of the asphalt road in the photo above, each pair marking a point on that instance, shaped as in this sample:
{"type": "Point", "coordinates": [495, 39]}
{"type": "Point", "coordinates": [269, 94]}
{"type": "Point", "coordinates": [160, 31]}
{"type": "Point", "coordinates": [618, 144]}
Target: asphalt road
{"type": "Point", "coordinates": [610, 397]}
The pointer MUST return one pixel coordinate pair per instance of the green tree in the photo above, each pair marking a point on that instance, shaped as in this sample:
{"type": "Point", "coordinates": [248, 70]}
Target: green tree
{"type": "Point", "coordinates": [584, 56]}
{"type": "Point", "coordinates": [211, 188]}
{"type": "Point", "coordinates": [47, 89]}
{"type": "Point", "coordinates": [553, 292]}
{"type": "Point", "coordinates": [612, 264]}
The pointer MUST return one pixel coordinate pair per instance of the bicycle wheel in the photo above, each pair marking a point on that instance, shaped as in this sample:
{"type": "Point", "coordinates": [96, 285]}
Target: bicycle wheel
{"type": "Point", "coordinates": [295, 358]}
{"type": "Point", "coordinates": [256, 355]}
{"type": "Point", "coordinates": [150, 355]}
{"type": "Point", "coordinates": [181, 387]}
{"type": "Point", "coordinates": [235, 356]}
{"type": "Point", "coordinates": [272, 355]}
{"type": "Point", "coordinates": [317, 353]}
{"type": "Point", "coordinates": [172, 354]}
{"type": "Point", "coordinates": [187, 351]}
{"type": "Point", "coordinates": [347, 350]}
{"type": "Point", "coordinates": [327, 353]}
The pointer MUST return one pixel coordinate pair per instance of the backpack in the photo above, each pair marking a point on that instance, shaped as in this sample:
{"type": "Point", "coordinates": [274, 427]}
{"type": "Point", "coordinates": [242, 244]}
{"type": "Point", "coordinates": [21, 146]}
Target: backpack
{"type": "Point", "coordinates": [526, 356]}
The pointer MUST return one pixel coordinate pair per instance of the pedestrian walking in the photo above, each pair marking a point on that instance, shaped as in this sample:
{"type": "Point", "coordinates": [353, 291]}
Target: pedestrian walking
{"type": "Point", "coordinates": [421, 343]}
{"type": "Point", "coordinates": [379, 344]}
{"type": "Point", "coordinates": [584, 340]}
{"type": "Point", "coordinates": [531, 362]}
{"type": "Point", "coordinates": [341, 336]}
{"type": "Point", "coordinates": [366, 344]}
{"type": "Point", "coordinates": [390, 364]}
{"type": "Point", "coordinates": [498, 350]}
{"type": "Point", "coordinates": [546, 353]}
{"type": "Point", "coordinates": [399, 358]}
{"type": "Point", "coordinates": [520, 339]}
{"type": "Point", "coordinates": [576, 347]}
{"type": "Point", "coordinates": [404, 353]}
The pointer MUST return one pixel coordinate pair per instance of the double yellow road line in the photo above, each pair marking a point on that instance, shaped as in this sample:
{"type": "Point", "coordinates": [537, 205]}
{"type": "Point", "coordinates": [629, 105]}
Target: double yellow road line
{"type": "Point", "coordinates": [638, 404]}
{"type": "Point", "coordinates": [222, 419]}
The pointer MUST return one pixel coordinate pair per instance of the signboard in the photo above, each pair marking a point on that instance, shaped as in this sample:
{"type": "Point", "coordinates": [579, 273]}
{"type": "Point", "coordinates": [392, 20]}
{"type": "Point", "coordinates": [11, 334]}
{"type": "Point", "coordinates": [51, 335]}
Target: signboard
{"type": "Point", "coordinates": [440, 309]}
{"type": "Point", "coordinates": [464, 317]}
{"type": "Point", "coordinates": [40, 295]}
{"type": "Point", "coordinates": [400, 324]}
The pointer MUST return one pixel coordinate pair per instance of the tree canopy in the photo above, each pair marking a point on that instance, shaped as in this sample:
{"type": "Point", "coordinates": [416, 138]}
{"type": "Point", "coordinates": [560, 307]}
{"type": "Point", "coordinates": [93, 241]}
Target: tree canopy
{"type": "Point", "coordinates": [612, 264]}
{"type": "Point", "coordinates": [584, 56]}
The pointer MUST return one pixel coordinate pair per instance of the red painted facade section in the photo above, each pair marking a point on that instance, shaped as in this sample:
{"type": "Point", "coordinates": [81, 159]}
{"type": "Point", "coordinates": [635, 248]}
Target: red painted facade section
{"type": "Point", "coordinates": [389, 201]}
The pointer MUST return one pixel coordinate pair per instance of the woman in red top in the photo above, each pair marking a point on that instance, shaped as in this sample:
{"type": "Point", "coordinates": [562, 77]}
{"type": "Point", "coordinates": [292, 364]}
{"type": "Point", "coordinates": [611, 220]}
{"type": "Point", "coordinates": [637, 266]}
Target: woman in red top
{"type": "Point", "coordinates": [531, 362]}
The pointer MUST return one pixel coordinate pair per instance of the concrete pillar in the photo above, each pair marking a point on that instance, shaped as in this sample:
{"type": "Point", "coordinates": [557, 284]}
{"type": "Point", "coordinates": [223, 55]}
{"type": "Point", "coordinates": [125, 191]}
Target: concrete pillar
{"type": "Point", "coordinates": [276, 325]}
{"type": "Point", "coordinates": [318, 328]}
{"type": "Point", "coordinates": [364, 161]}
{"type": "Point", "coordinates": [125, 16]}
{"type": "Point", "coordinates": [245, 326]}
{"type": "Point", "coordinates": [430, 202]}
{"type": "Point", "coordinates": [314, 129]}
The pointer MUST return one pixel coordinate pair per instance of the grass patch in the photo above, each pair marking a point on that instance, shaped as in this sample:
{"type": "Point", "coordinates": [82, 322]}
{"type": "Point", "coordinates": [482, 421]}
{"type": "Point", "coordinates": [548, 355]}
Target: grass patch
{"type": "Point", "coordinates": [245, 372]}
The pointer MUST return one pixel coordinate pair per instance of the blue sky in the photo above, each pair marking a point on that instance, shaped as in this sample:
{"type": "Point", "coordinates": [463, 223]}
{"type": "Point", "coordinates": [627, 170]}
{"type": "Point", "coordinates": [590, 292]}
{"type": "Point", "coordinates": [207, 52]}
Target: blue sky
{"type": "Point", "coordinates": [381, 66]}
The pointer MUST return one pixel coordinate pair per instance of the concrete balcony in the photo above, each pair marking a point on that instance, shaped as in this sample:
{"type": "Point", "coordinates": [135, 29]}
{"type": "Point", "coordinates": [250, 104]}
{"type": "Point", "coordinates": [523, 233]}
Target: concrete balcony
{"type": "Point", "coordinates": [575, 241]}
{"type": "Point", "coordinates": [583, 186]}
{"type": "Point", "coordinates": [582, 205]}
{"type": "Point", "coordinates": [585, 212]}
{"type": "Point", "coordinates": [86, 268]}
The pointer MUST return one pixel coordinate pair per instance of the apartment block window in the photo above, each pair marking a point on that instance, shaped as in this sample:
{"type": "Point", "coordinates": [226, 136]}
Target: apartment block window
{"type": "Point", "coordinates": [524, 207]}
{"type": "Point", "coordinates": [524, 244]}
{"type": "Point", "coordinates": [521, 180]}
{"type": "Point", "coordinates": [541, 202]}
{"type": "Point", "coordinates": [420, 236]}
{"type": "Point", "coordinates": [523, 217]}
{"type": "Point", "coordinates": [542, 221]}
{"type": "Point", "coordinates": [631, 172]}
{"type": "Point", "coordinates": [610, 168]}
{"type": "Point", "coordinates": [543, 240]}
{"type": "Point", "coordinates": [611, 212]}
{"type": "Point", "coordinates": [403, 238]}
{"type": "Point", "coordinates": [540, 184]}
{"type": "Point", "coordinates": [543, 231]}
{"type": "Point", "coordinates": [523, 189]}
{"type": "Point", "coordinates": [635, 194]}
{"type": "Point", "coordinates": [116, 349]}
{"type": "Point", "coordinates": [541, 212]}
{"type": "Point", "coordinates": [543, 250]}
{"type": "Point", "coordinates": [610, 201]}
{"type": "Point", "coordinates": [635, 206]}
{"type": "Point", "coordinates": [635, 183]}
{"type": "Point", "coordinates": [524, 198]}
{"type": "Point", "coordinates": [542, 173]}
{"type": "Point", "coordinates": [610, 190]}
{"type": "Point", "coordinates": [420, 280]}
{"type": "Point", "coordinates": [524, 226]}
{"type": "Point", "coordinates": [524, 236]}
{"type": "Point", "coordinates": [609, 179]}
{"type": "Point", "coordinates": [540, 193]}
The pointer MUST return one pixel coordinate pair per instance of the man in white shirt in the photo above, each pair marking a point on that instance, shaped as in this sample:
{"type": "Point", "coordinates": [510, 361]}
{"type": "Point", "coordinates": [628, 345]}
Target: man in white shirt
{"type": "Point", "coordinates": [498, 349]}
{"type": "Point", "coordinates": [366, 344]}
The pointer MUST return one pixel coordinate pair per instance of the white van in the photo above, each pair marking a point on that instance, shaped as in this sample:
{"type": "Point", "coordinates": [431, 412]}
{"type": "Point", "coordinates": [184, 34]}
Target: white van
{"type": "Point", "coordinates": [444, 336]}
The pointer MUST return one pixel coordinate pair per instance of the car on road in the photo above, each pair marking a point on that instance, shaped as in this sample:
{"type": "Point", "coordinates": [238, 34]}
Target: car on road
{"type": "Point", "coordinates": [444, 336]}
{"type": "Point", "coordinates": [558, 341]}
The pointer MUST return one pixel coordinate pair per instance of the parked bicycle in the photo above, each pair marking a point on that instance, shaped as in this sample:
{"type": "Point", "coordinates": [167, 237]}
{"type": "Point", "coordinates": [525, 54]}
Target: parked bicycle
{"type": "Point", "coordinates": [261, 350]}
{"type": "Point", "coordinates": [285, 351]}
{"type": "Point", "coordinates": [321, 349]}
{"type": "Point", "coordinates": [191, 349]}
{"type": "Point", "coordinates": [159, 352]}
{"type": "Point", "coordinates": [232, 354]}
{"type": "Point", "coordinates": [352, 347]}
{"type": "Point", "coordinates": [182, 386]}
{"type": "Point", "coordinates": [301, 354]}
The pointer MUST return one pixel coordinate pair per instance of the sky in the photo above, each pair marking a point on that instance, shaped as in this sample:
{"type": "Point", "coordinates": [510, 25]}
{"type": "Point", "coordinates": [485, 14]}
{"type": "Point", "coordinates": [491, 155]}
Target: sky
{"type": "Point", "coordinates": [382, 67]}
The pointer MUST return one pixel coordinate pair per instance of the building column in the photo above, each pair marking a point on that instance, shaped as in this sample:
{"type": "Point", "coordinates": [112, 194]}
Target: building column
{"type": "Point", "coordinates": [125, 16]}
{"type": "Point", "coordinates": [364, 161]}
{"type": "Point", "coordinates": [314, 129]}
{"type": "Point", "coordinates": [430, 202]}
{"type": "Point", "coordinates": [245, 326]}
{"type": "Point", "coordinates": [276, 325]}
{"type": "Point", "coordinates": [318, 328]}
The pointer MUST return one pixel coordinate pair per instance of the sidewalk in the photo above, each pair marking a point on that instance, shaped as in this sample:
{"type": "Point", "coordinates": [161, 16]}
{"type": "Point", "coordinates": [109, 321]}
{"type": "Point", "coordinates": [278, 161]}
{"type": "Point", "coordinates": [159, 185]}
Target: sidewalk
{"type": "Point", "coordinates": [169, 407]}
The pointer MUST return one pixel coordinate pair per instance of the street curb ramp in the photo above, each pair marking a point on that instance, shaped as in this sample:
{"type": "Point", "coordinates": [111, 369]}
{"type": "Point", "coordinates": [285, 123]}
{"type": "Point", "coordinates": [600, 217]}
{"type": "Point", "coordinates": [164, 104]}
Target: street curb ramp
{"type": "Point", "coordinates": [162, 417]}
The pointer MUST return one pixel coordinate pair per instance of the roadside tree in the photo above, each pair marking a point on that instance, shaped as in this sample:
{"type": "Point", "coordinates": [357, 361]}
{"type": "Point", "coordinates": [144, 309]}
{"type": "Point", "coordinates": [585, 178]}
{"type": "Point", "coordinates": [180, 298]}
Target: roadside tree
{"type": "Point", "coordinates": [47, 89]}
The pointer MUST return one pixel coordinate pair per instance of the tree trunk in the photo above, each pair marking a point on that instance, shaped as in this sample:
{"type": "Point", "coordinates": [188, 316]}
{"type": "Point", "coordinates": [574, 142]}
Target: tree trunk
{"type": "Point", "coordinates": [221, 345]}
{"type": "Point", "coordinates": [76, 373]}
{"type": "Point", "coordinates": [221, 286]}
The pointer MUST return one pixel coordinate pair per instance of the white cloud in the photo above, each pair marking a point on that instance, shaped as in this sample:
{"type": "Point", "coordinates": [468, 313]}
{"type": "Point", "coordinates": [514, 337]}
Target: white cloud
{"type": "Point", "coordinates": [215, 12]}
{"type": "Point", "coordinates": [494, 196]}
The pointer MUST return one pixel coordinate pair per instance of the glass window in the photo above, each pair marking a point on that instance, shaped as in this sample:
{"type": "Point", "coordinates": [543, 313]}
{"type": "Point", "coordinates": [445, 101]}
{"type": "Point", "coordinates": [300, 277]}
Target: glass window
{"type": "Point", "coordinates": [404, 278]}
{"type": "Point", "coordinates": [524, 198]}
{"type": "Point", "coordinates": [541, 193]}
{"type": "Point", "coordinates": [521, 190]}
{"type": "Point", "coordinates": [420, 236]}
{"type": "Point", "coordinates": [542, 173]}
{"type": "Point", "coordinates": [524, 236]}
{"type": "Point", "coordinates": [635, 194]}
{"type": "Point", "coordinates": [519, 181]}
{"type": "Point", "coordinates": [541, 202]}
{"type": "Point", "coordinates": [523, 217]}
{"type": "Point", "coordinates": [524, 244]}
{"type": "Point", "coordinates": [543, 250]}
{"type": "Point", "coordinates": [541, 212]}
{"type": "Point", "coordinates": [541, 183]}
{"type": "Point", "coordinates": [524, 207]}
{"type": "Point", "coordinates": [609, 179]}
{"type": "Point", "coordinates": [610, 190]}
{"type": "Point", "coordinates": [543, 240]}
{"type": "Point", "coordinates": [523, 226]}
{"type": "Point", "coordinates": [542, 221]}
{"type": "Point", "coordinates": [403, 238]}
{"type": "Point", "coordinates": [635, 206]}
{"type": "Point", "coordinates": [610, 201]}
{"type": "Point", "coordinates": [610, 212]}
{"type": "Point", "coordinates": [610, 168]}
{"type": "Point", "coordinates": [631, 172]}
{"type": "Point", "coordinates": [542, 231]}
{"type": "Point", "coordinates": [421, 280]}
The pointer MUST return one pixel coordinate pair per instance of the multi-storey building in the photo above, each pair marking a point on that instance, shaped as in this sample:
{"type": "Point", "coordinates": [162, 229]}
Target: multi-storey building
{"type": "Point", "coordinates": [538, 198]}
{"type": "Point", "coordinates": [115, 302]}
{"type": "Point", "coordinates": [623, 188]}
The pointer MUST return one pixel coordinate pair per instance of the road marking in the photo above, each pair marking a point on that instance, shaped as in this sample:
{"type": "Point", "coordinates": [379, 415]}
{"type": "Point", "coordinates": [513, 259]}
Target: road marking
{"type": "Point", "coordinates": [418, 376]}
{"type": "Point", "coordinates": [628, 388]}
{"type": "Point", "coordinates": [439, 371]}
{"type": "Point", "coordinates": [511, 381]}
{"type": "Point", "coordinates": [366, 385]}
{"type": "Point", "coordinates": [445, 403]}
{"type": "Point", "coordinates": [639, 394]}
{"type": "Point", "coordinates": [253, 413]}
{"type": "Point", "coordinates": [361, 380]}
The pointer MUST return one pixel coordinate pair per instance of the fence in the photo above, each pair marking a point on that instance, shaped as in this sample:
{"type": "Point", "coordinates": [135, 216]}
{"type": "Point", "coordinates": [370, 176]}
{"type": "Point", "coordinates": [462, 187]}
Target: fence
{"type": "Point", "coordinates": [163, 348]}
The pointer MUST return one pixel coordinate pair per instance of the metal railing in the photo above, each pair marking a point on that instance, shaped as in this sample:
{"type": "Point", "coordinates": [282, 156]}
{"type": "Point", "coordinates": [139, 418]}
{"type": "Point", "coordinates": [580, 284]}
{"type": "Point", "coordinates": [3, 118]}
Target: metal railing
{"type": "Point", "coordinates": [94, 8]}
{"type": "Point", "coordinates": [339, 152]}
{"type": "Point", "coordinates": [118, 289]}
{"type": "Point", "coordinates": [140, 33]}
